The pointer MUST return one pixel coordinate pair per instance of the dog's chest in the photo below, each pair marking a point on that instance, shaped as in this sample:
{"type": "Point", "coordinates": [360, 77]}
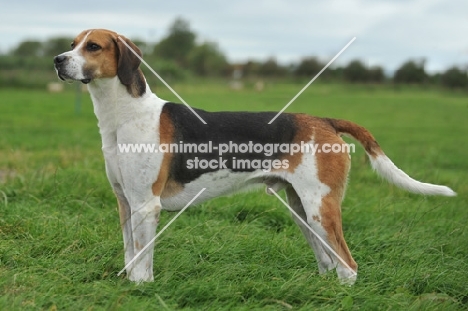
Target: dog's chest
{"type": "Point", "coordinates": [125, 126]}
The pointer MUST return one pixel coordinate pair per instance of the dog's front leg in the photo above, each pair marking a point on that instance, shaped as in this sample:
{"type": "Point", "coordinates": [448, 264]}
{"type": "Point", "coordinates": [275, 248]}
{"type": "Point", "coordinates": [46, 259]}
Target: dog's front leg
{"type": "Point", "coordinates": [125, 213]}
{"type": "Point", "coordinates": [145, 218]}
{"type": "Point", "coordinates": [139, 172]}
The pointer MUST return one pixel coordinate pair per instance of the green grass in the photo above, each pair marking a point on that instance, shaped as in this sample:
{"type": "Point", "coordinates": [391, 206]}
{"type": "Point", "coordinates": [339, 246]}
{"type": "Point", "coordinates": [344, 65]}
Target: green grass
{"type": "Point", "coordinates": [61, 245]}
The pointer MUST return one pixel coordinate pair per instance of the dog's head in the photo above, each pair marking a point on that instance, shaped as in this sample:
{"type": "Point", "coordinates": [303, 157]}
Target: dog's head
{"type": "Point", "coordinates": [100, 53]}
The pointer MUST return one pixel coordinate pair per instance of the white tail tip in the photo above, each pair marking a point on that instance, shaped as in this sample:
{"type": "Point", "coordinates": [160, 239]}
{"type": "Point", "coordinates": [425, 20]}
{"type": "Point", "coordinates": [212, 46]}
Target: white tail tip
{"type": "Point", "coordinates": [385, 167]}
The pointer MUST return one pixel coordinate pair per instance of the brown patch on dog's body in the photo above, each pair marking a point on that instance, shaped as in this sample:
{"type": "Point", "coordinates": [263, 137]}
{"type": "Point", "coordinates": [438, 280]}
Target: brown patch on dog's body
{"type": "Point", "coordinates": [331, 221]}
{"type": "Point", "coordinates": [310, 128]}
{"type": "Point", "coordinates": [124, 214]}
{"type": "Point", "coordinates": [306, 127]}
{"type": "Point", "coordinates": [171, 188]}
{"type": "Point", "coordinates": [357, 132]}
{"type": "Point", "coordinates": [332, 170]}
{"type": "Point", "coordinates": [164, 186]}
{"type": "Point", "coordinates": [137, 245]}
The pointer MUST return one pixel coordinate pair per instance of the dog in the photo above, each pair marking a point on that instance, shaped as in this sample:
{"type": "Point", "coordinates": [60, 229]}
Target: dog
{"type": "Point", "coordinates": [147, 182]}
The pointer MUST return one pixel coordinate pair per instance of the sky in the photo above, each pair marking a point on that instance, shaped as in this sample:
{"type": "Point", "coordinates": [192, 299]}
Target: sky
{"type": "Point", "coordinates": [388, 32]}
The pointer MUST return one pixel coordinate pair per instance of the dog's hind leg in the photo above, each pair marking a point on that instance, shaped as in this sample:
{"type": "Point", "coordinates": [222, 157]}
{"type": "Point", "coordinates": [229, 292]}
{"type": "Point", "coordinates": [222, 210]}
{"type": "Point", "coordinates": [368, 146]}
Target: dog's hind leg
{"type": "Point", "coordinates": [324, 261]}
{"type": "Point", "coordinates": [324, 218]}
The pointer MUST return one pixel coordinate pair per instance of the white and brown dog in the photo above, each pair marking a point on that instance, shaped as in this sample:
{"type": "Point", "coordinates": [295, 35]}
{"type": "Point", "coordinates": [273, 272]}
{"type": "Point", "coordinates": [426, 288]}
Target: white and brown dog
{"type": "Point", "coordinates": [144, 183]}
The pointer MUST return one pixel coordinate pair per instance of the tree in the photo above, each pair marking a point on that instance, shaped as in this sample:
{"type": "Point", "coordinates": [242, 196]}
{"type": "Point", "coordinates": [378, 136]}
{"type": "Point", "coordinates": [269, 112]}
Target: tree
{"type": "Point", "coordinates": [356, 72]}
{"type": "Point", "coordinates": [411, 72]}
{"type": "Point", "coordinates": [144, 46]}
{"type": "Point", "coordinates": [454, 78]}
{"type": "Point", "coordinates": [207, 59]}
{"type": "Point", "coordinates": [271, 68]}
{"type": "Point", "coordinates": [29, 48]}
{"type": "Point", "coordinates": [251, 68]}
{"type": "Point", "coordinates": [57, 46]}
{"type": "Point", "coordinates": [308, 67]}
{"type": "Point", "coordinates": [178, 44]}
{"type": "Point", "coordinates": [376, 74]}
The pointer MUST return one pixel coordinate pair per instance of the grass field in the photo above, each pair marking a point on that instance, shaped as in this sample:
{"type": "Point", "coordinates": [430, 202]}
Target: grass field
{"type": "Point", "coordinates": [60, 239]}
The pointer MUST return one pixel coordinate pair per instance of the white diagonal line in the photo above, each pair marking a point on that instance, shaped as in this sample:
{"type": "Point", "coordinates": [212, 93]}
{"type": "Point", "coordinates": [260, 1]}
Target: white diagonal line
{"type": "Point", "coordinates": [162, 80]}
{"type": "Point", "coordinates": [313, 232]}
{"type": "Point", "coordinates": [160, 232]}
{"type": "Point", "coordinates": [311, 81]}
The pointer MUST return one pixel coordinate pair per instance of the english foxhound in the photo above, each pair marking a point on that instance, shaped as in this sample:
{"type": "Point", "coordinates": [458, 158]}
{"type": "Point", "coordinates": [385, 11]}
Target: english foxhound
{"type": "Point", "coordinates": [146, 182]}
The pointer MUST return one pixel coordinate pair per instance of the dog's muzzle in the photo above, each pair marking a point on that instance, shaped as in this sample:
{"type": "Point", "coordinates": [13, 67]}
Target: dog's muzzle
{"type": "Point", "coordinates": [60, 62]}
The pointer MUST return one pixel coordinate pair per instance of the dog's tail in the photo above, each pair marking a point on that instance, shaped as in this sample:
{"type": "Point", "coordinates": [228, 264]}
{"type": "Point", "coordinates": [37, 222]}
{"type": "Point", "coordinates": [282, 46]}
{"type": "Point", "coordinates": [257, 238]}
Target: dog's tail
{"type": "Point", "coordinates": [382, 164]}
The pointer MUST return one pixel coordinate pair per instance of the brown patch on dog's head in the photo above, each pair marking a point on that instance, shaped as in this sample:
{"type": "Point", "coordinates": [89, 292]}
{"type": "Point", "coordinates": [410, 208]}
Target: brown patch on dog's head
{"type": "Point", "coordinates": [107, 56]}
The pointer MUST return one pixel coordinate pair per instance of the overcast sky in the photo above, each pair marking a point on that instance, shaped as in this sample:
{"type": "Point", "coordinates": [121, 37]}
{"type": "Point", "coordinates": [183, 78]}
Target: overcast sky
{"type": "Point", "coordinates": [388, 32]}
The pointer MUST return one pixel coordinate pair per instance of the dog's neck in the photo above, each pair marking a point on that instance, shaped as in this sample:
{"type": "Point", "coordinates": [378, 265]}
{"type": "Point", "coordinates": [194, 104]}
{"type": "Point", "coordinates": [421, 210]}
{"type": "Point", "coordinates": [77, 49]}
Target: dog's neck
{"type": "Point", "coordinates": [114, 106]}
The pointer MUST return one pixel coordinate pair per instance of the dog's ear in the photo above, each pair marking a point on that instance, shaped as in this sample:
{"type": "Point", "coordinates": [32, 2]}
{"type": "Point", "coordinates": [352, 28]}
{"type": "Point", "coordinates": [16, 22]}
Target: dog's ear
{"type": "Point", "coordinates": [127, 67]}
{"type": "Point", "coordinates": [128, 62]}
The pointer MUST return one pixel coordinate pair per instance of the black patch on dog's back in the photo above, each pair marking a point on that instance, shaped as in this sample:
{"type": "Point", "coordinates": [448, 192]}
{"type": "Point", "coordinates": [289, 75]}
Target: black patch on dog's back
{"type": "Point", "coordinates": [223, 127]}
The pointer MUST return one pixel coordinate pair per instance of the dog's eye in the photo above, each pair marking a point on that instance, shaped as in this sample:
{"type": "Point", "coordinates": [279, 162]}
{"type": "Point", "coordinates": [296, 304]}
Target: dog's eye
{"type": "Point", "coordinates": [92, 47]}
{"type": "Point", "coordinates": [72, 45]}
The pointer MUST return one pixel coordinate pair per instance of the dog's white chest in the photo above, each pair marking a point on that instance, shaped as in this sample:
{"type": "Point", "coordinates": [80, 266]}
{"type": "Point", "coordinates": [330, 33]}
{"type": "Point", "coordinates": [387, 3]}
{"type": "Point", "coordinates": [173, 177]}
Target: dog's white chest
{"type": "Point", "coordinates": [122, 123]}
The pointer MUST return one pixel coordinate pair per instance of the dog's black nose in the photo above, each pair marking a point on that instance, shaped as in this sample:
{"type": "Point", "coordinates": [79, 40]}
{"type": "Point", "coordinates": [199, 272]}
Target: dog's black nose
{"type": "Point", "coordinates": [59, 59]}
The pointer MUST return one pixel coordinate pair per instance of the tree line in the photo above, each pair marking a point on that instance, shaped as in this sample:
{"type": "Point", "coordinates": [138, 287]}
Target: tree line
{"type": "Point", "coordinates": [180, 55]}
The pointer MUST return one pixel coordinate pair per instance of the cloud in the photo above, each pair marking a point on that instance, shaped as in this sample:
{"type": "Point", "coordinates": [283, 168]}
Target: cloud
{"type": "Point", "coordinates": [388, 32]}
